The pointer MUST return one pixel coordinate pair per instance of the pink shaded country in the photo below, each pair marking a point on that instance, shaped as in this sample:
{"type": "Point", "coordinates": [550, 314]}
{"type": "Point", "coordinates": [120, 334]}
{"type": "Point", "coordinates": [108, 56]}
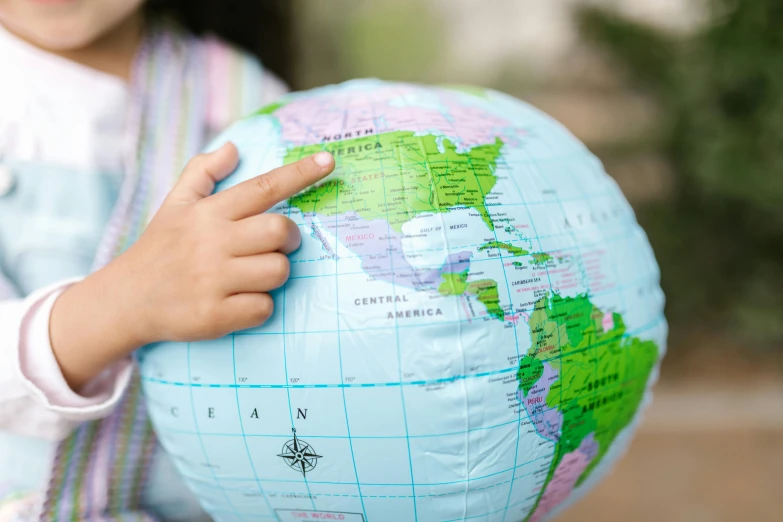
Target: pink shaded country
{"type": "Point", "coordinates": [607, 322]}
{"type": "Point", "coordinates": [350, 114]}
{"type": "Point", "coordinates": [513, 318]}
{"type": "Point", "coordinates": [567, 473]}
{"type": "Point", "coordinates": [380, 249]}
{"type": "Point", "coordinates": [548, 421]}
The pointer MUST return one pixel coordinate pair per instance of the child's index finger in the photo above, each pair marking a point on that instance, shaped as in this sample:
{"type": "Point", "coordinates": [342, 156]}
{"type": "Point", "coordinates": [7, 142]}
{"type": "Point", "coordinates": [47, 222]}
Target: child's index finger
{"type": "Point", "coordinates": [261, 193]}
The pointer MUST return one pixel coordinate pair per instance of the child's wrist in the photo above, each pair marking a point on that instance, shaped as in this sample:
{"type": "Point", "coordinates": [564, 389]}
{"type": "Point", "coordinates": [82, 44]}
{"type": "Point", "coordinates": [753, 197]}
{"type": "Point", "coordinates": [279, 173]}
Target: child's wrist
{"type": "Point", "coordinates": [94, 324]}
{"type": "Point", "coordinates": [132, 312]}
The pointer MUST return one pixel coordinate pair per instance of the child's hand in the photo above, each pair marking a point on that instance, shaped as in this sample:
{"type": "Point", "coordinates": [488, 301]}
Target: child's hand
{"type": "Point", "coordinates": [204, 264]}
{"type": "Point", "coordinates": [202, 269]}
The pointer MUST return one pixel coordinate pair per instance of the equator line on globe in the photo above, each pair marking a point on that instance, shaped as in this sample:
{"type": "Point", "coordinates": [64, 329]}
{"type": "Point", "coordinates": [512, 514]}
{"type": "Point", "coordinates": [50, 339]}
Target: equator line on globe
{"type": "Point", "coordinates": [471, 328]}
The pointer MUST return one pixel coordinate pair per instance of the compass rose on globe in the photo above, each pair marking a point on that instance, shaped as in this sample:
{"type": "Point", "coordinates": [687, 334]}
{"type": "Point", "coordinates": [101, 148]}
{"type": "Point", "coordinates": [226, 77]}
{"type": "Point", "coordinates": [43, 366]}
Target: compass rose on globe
{"type": "Point", "coordinates": [299, 455]}
{"type": "Point", "coordinates": [471, 286]}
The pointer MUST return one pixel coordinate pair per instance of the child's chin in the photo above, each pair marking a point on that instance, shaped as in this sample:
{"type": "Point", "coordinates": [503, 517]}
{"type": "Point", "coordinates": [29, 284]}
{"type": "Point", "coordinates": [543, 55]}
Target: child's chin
{"type": "Point", "coordinates": [62, 39]}
{"type": "Point", "coordinates": [61, 33]}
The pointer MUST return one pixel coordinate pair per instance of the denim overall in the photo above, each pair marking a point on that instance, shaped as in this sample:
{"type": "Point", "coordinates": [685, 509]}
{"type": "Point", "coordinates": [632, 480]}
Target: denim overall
{"type": "Point", "coordinates": [51, 223]}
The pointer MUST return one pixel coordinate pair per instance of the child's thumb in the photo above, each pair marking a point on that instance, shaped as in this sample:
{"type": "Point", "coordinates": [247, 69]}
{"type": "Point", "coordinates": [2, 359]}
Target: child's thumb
{"type": "Point", "coordinates": [202, 173]}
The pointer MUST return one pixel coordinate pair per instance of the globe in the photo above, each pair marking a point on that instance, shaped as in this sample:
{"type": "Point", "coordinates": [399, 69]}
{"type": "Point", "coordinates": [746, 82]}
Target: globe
{"type": "Point", "coordinates": [472, 324]}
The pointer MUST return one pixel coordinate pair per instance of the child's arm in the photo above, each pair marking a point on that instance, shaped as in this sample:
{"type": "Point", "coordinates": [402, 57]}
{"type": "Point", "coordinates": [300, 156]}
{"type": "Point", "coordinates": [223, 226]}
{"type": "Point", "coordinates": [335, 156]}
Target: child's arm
{"type": "Point", "coordinates": [35, 400]}
{"type": "Point", "coordinates": [202, 268]}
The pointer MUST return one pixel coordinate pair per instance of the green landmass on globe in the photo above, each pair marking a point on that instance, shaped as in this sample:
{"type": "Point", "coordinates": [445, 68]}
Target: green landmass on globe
{"type": "Point", "coordinates": [472, 325]}
{"type": "Point", "coordinates": [415, 177]}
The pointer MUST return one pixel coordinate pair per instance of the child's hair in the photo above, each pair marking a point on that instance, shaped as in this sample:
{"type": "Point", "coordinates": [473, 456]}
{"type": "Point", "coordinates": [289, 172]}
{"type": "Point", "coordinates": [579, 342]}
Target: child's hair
{"type": "Point", "coordinates": [259, 26]}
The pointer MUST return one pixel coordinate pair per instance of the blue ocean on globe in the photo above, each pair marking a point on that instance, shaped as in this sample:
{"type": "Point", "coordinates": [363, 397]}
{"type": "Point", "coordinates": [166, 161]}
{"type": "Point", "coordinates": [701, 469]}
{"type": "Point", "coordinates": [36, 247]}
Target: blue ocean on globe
{"type": "Point", "coordinates": [471, 329]}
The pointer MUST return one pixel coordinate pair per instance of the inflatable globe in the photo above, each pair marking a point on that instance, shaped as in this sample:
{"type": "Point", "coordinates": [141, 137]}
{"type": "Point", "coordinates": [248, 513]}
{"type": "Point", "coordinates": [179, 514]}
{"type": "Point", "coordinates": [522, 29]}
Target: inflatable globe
{"type": "Point", "coordinates": [472, 324]}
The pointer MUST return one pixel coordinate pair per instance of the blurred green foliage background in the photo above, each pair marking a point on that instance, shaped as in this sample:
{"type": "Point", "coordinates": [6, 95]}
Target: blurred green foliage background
{"type": "Point", "coordinates": [683, 102]}
{"type": "Point", "coordinates": [684, 105]}
{"type": "Point", "coordinates": [719, 237]}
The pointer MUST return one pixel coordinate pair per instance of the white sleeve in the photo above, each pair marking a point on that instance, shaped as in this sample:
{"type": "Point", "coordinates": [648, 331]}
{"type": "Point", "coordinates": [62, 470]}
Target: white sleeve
{"type": "Point", "coordinates": [35, 400]}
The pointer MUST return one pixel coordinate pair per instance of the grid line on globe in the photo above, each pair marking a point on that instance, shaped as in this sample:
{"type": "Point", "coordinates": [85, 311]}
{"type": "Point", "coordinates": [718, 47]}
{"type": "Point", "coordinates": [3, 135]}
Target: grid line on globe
{"type": "Point", "coordinates": [372, 465]}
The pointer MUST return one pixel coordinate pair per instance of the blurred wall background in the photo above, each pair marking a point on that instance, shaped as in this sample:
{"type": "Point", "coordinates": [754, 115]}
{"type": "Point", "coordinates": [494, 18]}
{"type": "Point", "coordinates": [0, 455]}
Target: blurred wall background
{"type": "Point", "coordinates": [683, 102]}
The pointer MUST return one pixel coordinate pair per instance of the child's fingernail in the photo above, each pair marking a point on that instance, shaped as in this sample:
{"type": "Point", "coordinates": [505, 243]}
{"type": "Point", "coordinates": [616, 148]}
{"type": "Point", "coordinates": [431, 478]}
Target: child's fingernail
{"type": "Point", "coordinates": [323, 159]}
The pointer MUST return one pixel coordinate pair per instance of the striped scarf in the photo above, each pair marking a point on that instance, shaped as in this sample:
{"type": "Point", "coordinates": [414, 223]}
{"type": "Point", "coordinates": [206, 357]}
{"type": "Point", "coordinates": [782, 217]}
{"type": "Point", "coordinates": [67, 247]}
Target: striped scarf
{"type": "Point", "coordinates": [100, 470]}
